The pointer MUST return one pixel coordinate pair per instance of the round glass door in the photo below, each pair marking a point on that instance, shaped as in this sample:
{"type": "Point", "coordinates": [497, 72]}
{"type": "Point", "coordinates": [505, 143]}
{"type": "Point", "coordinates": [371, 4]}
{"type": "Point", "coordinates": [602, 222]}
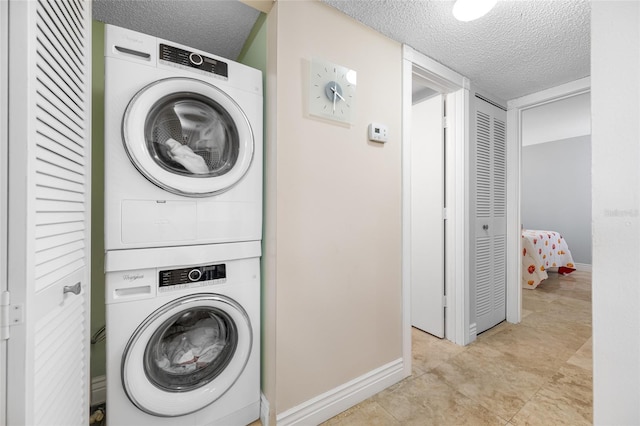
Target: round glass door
{"type": "Point", "coordinates": [186, 355]}
{"type": "Point", "coordinates": [188, 137]}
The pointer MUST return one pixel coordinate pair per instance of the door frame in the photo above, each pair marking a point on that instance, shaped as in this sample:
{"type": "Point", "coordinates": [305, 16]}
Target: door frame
{"type": "Point", "coordinates": [456, 89]}
{"type": "Point", "coordinates": [4, 194]}
{"type": "Point", "coordinates": [515, 108]}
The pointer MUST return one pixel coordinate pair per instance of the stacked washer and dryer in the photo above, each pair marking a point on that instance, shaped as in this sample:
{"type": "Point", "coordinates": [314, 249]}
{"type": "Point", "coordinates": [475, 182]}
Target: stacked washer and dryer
{"type": "Point", "coordinates": [183, 225]}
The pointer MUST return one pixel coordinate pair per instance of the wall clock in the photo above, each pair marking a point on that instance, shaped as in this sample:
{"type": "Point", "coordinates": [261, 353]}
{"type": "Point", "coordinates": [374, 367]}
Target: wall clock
{"type": "Point", "coordinates": [332, 91]}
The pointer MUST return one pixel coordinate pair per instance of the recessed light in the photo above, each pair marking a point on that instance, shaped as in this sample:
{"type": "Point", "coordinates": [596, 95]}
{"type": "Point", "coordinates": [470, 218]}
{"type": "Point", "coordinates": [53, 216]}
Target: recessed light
{"type": "Point", "coordinates": [468, 10]}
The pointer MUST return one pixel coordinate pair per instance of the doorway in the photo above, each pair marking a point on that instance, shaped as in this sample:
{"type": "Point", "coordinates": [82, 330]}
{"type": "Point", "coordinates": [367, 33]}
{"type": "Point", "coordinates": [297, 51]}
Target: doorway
{"type": "Point", "coordinates": [454, 89]}
{"type": "Point", "coordinates": [427, 208]}
{"type": "Point", "coordinates": [514, 158]}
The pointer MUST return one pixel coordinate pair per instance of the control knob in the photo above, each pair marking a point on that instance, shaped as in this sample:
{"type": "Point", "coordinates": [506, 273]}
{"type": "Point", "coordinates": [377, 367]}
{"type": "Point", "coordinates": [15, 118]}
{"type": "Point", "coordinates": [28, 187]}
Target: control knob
{"type": "Point", "coordinates": [195, 59]}
{"type": "Point", "coordinates": [194, 275]}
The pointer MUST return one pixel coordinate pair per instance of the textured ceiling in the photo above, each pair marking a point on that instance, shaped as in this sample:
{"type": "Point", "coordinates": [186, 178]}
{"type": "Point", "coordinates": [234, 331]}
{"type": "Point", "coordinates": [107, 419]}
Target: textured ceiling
{"type": "Point", "coordinates": [520, 47]}
{"type": "Point", "coordinates": [220, 27]}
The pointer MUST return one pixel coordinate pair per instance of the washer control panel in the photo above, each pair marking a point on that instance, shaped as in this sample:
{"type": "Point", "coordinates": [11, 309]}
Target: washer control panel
{"type": "Point", "coordinates": [177, 279]}
{"type": "Point", "coordinates": [193, 60]}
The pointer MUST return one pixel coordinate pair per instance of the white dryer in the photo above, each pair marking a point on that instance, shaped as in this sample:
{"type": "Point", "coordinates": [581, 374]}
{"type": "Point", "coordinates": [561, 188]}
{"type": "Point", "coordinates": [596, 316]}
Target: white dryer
{"type": "Point", "coordinates": [183, 145]}
{"type": "Point", "coordinates": [183, 333]}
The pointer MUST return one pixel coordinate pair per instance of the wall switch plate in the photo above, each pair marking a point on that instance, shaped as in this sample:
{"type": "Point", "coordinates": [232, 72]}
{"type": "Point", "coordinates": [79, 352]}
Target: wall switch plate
{"type": "Point", "coordinates": [378, 132]}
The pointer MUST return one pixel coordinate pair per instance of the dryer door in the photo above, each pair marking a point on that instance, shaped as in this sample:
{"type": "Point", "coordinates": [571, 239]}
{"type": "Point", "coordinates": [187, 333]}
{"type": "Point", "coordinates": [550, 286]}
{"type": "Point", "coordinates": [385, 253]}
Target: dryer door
{"type": "Point", "coordinates": [188, 137]}
{"type": "Point", "coordinates": [186, 355]}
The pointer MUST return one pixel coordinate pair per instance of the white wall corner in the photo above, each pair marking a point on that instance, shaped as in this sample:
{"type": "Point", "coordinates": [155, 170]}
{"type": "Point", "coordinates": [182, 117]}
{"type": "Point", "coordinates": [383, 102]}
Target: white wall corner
{"type": "Point", "coordinates": [98, 390]}
{"type": "Point", "coordinates": [341, 398]}
{"type": "Point", "coordinates": [264, 409]}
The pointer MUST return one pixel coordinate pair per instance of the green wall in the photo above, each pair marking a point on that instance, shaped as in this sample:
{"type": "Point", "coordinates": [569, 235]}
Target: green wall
{"type": "Point", "coordinates": [98, 355]}
{"type": "Point", "coordinates": [254, 54]}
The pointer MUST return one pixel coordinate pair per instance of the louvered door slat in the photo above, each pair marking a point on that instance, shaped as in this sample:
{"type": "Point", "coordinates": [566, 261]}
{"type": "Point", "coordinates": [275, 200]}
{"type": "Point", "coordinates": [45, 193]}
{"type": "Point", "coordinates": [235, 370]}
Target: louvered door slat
{"type": "Point", "coordinates": [58, 206]}
{"type": "Point", "coordinates": [52, 181]}
{"type": "Point", "coordinates": [51, 157]}
{"type": "Point", "coordinates": [51, 218]}
{"type": "Point", "coordinates": [61, 229]}
{"type": "Point", "coordinates": [49, 137]}
{"type": "Point", "coordinates": [58, 240]}
{"type": "Point", "coordinates": [58, 132]}
{"type": "Point", "coordinates": [44, 193]}
{"type": "Point", "coordinates": [483, 276]}
{"type": "Point", "coordinates": [49, 169]}
{"type": "Point", "coordinates": [67, 268]}
{"type": "Point", "coordinates": [500, 169]}
{"type": "Point", "coordinates": [56, 18]}
{"type": "Point", "coordinates": [61, 110]}
{"type": "Point", "coordinates": [54, 62]}
{"type": "Point", "coordinates": [483, 167]}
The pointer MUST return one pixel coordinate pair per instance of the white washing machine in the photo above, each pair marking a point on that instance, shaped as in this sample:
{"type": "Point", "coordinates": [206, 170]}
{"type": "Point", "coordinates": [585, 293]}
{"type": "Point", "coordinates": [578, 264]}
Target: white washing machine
{"type": "Point", "coordinates": [183, 145]}
{"type": "Point", "coordinates": [183, 333]}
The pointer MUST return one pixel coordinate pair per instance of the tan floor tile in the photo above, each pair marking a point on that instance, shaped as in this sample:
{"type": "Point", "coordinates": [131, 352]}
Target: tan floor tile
{"type": "Point", "coordinates": [566, 400]}
{"type": "Point", "coordinates": [488, 376]}
{"type": "Point", "coordinates": [584, 356]}
{"type": "Point", "coordinates": [426, 400]}
{"type": "Point", "coordinates": [366, 413]}
{"type": "Point", "coordinates": [538, 372]}
{"type": "Point", "coordinates": [429, 351]}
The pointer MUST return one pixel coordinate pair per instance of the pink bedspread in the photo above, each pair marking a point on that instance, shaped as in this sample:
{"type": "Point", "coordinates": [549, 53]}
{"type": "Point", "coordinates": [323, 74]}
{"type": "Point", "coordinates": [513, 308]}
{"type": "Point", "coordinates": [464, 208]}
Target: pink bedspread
{"type": "Point", "coordinates": [542, 250]}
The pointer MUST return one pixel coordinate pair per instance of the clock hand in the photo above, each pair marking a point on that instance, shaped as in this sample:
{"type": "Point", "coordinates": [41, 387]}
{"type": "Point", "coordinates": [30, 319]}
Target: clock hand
{"type": "Point", "coordinates": [335, 92]}
{"type": "Point", "coordinates": [339, 95]}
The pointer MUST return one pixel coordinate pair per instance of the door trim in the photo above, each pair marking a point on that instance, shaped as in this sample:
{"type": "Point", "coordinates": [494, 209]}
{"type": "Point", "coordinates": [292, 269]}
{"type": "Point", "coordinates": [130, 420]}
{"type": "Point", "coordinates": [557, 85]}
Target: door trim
{"type": "Point", "coordinates": [4, 105]}
{"type": "Point", "coordinates": [515, 107]}
{"type": "Point", "coordinates": [456, 89]}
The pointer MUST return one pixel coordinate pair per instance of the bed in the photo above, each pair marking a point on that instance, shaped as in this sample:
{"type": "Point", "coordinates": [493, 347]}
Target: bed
{"type": "Point", "coordinates": [542, 250]}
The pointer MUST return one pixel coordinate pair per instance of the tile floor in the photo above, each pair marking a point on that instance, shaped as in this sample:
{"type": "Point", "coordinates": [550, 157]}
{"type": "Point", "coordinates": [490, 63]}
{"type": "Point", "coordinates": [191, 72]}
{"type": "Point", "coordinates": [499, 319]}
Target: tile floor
{"type": "Point", "coordinates": [538, 372]}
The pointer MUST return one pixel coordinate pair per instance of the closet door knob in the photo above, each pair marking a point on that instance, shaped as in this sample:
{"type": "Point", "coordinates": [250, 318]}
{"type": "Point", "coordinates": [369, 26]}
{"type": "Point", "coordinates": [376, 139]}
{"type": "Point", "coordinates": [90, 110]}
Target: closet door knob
{"type": "Point", "coordinates": [485, 227]}
{"type": "Point", "coordinates": [75, 289]}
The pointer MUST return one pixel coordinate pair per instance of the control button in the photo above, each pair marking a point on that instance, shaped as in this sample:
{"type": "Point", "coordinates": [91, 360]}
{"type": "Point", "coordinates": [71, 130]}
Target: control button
{"type": "Point", "coordinates": [195, 59]}
{"type": "Point", "coordinates": [195, 274]}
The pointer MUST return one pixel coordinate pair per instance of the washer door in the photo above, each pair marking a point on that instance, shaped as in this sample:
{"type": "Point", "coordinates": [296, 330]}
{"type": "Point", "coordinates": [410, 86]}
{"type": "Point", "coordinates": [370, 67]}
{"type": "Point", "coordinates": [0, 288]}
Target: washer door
{"type": "Point", "coordinates": [188, 137]}
{"type": "Point", "coordinates": [186, 355]}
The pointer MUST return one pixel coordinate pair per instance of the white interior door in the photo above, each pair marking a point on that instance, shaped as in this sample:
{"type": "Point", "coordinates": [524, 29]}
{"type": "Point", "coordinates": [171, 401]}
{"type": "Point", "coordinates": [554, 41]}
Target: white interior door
{"type": "Point", "coordinates": [489, 268]}
{"type": "Point", "coordinates": [427, 221]}
{"type": "Point", "coordinates": [49, 212]}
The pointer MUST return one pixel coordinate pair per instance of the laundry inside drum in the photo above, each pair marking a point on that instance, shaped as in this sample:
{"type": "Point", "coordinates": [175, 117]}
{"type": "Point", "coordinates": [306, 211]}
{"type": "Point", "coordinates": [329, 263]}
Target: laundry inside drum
{"type": "Point", "coordinates": [192, 135]}
{"type": "Point", "coordinates": [190, 349]}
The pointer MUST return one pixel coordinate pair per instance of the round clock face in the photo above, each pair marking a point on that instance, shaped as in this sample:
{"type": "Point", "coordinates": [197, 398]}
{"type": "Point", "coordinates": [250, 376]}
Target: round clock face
{"type": "Point", "coordinates": [332, 91]}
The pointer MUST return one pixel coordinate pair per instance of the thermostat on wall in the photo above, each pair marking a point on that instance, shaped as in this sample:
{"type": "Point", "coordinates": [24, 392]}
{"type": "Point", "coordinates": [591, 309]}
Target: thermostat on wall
{"type": "Point", "coordinates": [378, 132]}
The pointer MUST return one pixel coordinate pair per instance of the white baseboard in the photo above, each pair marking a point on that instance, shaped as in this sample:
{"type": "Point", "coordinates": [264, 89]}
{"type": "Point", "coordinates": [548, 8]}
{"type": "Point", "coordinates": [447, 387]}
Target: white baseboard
{"type": "Point", "coordinates": [583, 267]}
{"type": "Point", "coordinates": [337, 400]}
{"type": "Point", "coordinates": [98, 390]}
{"type": "Point", "coordinates": [264, 410]}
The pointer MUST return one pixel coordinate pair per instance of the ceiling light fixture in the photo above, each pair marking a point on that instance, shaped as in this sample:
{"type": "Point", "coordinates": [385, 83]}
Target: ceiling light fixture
{"type": "Point", "coordinates": [468, 10]}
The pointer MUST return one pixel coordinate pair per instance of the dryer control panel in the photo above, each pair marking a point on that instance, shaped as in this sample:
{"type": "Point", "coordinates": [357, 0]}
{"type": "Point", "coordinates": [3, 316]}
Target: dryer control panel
{"type": "Point", "coordinates": [176, 279]}
{"type": "Point", "coordinates": [193, 60]}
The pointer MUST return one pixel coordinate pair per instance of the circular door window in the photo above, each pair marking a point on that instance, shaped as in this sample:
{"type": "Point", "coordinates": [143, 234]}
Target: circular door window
{"type": "Point", "coordinates": [188, 137]}
{"type": "Point", "coordinates": [186, 355]}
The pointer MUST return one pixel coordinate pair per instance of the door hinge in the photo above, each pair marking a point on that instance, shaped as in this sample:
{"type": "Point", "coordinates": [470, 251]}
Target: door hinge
{"type": "Point", "coordinates": [445, 122]}
{"type": "Point", "coordinates": [9, 315]}
{"type": "Point", "coordinates": [444, 301]}
{"type": "Point", "coordinates": [445, 213]}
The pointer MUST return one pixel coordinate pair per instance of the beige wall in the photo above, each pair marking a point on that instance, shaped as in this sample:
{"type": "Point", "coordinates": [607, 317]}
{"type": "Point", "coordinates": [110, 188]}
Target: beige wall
{"type": "Point", "coordinates": [333, 223]}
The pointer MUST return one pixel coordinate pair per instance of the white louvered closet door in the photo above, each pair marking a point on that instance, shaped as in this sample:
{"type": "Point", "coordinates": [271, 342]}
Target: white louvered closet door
{"type": "Point", "coordinates": [490, 216]}
{"type": "Point", "coordinates": [49, 211]}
